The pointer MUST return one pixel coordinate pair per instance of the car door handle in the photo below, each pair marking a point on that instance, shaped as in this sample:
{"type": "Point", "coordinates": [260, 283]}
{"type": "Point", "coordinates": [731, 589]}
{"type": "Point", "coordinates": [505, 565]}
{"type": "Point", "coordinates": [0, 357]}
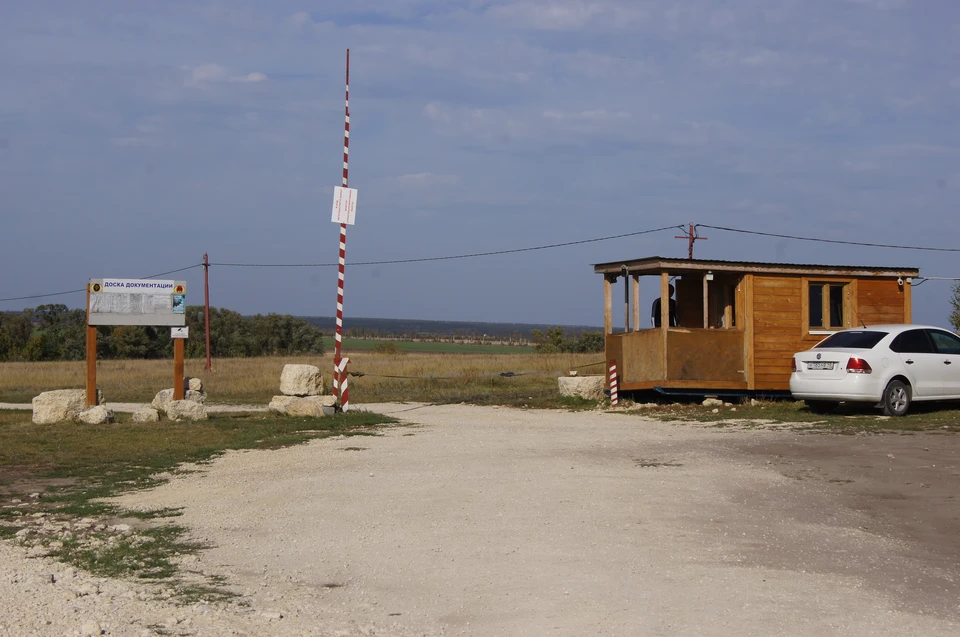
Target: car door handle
{"type": "Point", "coordinates": [909, 361]}
{"type": "Point", "coordinates": [948, 362]}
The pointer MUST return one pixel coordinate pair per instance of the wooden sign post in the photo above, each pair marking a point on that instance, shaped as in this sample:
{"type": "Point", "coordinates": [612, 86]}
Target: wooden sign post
{"type": "Point", "coordinates": [178, 369]}
{"type": "Point", "coordinates": [91, 357]}
{"type": "Point", "coordinates": [136, 302]}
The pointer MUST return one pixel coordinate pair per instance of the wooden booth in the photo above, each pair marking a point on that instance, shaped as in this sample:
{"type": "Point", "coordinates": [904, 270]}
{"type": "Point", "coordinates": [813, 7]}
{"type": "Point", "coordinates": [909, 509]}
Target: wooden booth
{"type": "Point", "coordinates": [734, 325]}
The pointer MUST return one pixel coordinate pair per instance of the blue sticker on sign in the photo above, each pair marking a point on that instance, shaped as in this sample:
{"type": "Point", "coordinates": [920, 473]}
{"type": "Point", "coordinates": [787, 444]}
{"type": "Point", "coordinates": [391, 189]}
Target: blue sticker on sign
{"type": "Point", "coordinates": [179, 303]}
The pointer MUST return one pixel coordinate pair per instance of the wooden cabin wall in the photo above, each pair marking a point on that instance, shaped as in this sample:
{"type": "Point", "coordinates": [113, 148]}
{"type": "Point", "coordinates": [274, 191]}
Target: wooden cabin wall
{"type": "Point", "coordinates": [778, 327]}
{"type": "Point", "coordinates": [879, 301]}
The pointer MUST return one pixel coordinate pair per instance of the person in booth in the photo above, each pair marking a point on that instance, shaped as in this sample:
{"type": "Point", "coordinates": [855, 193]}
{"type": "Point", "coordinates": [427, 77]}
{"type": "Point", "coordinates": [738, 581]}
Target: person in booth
{"type": "Point", "coordinates": [655, 311]}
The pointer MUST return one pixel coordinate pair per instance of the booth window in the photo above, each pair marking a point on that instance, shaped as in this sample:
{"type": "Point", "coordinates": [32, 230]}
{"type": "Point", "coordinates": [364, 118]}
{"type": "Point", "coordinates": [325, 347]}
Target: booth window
{"type": "Point", "coordinates": [826, 303]}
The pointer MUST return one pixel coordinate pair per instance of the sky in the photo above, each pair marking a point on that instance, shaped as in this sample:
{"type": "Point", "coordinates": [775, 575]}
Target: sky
{"type": "Point", "coordinates": [137, 136]}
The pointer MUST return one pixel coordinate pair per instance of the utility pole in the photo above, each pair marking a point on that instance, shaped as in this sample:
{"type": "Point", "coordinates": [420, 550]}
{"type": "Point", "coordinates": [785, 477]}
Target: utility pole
{"type": "Point", "coordinates": [206, 307]}
{"type": "Point", "coordinates": [691, 237]}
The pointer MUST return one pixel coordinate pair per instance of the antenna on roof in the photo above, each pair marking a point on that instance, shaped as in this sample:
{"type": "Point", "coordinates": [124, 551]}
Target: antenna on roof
{"type": "Point", "coordinates": [692, 237]}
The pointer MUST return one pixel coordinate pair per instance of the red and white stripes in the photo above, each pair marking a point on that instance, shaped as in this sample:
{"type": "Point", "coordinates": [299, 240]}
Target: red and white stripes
{"type": "Point", "coordinates": [614, 398]}
{"type": "Point", "coordinates": [339, 371]}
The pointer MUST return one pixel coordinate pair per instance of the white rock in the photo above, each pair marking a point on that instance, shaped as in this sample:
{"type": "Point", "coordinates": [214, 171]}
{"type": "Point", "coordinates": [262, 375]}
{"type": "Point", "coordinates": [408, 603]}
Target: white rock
{"type": "Point", "coordinates": [712, 402]}
{"type": "Point", "coordinates": [194, 384]}
{"type": "Point", "coordinates": [98, 415]}
{"type": "Point", "coordinates": [60, 405]}
{"type": "Point", "coordinates": [165, 396]}
{"type": "Point", "coordinates": [186, 410]}
{"type": "Point", "coordinates": [589, 387]}
{"type": "Point", "coordinates": [146, 414]}
{"type": "Point", "coordinates": [301, 380]}
{"type": "Point", "coordinates": [310, 406]}
{"type": "Point", "coordinates": [91, 629]}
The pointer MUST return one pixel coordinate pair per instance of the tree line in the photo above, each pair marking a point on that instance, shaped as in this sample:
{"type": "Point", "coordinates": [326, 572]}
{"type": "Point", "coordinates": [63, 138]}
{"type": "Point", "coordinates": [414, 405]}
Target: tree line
{"type": "Point", "coordinates": [553, 340]}
{"type": "Point", "coordinates": [56, 333]}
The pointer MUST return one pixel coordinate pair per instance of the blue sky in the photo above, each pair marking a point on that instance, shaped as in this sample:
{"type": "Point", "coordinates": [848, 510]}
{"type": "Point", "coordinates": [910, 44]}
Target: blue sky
{"type": "Point", "coordinates": [136, 136]}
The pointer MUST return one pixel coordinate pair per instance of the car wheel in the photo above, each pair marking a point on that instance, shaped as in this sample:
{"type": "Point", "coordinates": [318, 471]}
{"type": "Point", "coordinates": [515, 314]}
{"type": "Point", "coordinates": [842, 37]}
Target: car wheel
{"type": "Point", "coordinates": [821, 406]}
{"type": "Point", "coordinates": [896, 398]}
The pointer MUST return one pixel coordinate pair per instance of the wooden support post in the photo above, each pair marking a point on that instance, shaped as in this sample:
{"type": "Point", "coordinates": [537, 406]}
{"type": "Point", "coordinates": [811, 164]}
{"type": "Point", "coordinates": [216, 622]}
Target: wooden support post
{"type": "Point", "coordinates": [907, 302]}
{"type": "Point", "coordinates": [91, 357]}
{"type": "Point", "coordinates": [746, 319]}
{"type": "Point", "coordinates": [706, 302]}
{"type": "Point", "coordinates": [178, 368]}
{"type": "Point", "coordinates": [607, 305]}
{"type": "Point", "coordinates": [635, 284]}
{"type": "Point", "coordinates": [626, 300]}
{"type": "Point", "coordinates": [664, 318]}
{"type": "Point", "coordinates": [727, 306]}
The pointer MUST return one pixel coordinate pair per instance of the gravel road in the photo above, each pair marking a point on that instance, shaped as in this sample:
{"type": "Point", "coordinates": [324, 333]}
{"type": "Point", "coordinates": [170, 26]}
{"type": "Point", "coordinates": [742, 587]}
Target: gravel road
{"type": "Point", "coordinates": [487, 521]}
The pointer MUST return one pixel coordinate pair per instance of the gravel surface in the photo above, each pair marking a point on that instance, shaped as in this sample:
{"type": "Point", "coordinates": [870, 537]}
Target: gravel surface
{"type": "Point", "coordinates": [212, 408]}
{"type": "Point", "coordinates": [493, 521]}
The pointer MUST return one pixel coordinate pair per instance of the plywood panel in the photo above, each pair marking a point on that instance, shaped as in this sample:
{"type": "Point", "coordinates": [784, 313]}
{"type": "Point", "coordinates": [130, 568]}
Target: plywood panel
{"type": "Point", "coordinates": [762, 283]}
{"type": "Point", "coordinates": [642, 356]}
{"type": "Point", "coordinates": [706, 355]}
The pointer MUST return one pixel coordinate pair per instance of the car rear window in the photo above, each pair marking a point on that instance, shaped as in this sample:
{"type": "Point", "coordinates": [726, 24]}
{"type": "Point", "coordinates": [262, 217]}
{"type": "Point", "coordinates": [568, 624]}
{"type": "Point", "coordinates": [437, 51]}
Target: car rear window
{"type": "Point", "coordinates": [856, 339]}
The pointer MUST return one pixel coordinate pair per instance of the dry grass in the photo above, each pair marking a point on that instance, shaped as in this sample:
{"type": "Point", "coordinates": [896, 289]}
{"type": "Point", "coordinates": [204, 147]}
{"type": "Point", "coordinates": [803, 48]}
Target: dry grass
{"type": "Point", "coordinates": [388, 377]}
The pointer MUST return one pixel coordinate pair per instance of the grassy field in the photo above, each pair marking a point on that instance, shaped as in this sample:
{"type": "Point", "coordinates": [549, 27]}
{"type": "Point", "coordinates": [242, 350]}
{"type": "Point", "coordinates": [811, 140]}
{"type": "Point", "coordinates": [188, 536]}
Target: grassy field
{"type": "Point", "coordinates": [350, 346]}
{"type": "Point", "coordinates": [414, 376]}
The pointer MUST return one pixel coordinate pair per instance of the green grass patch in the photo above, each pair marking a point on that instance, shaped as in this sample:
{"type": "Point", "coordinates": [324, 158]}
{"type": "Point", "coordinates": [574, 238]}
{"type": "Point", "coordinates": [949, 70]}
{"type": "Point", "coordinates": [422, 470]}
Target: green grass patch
{"type": "Point", "coordinates": [847, 419]}
{"type": "Point", "coordinates": [73, 467]}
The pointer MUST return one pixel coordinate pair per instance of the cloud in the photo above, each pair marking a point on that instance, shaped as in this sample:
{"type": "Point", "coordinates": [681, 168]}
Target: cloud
{"type": "Point", "coordinates": [426, 180]}
{"type": "Point", "coordinates": [206, 75]}
{"type": "Point", "coordinates": [303, 21]}
{"type": "Point", "coordinates": [566, 15]}
{"type": "Point", "coordinates": [250, 77]}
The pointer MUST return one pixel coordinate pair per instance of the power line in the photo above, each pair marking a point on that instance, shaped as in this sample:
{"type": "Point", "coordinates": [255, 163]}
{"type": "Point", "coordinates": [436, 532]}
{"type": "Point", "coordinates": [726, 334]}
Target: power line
{"type": "Point", "coordinates": [822, 240]}
{"type": "Point", "coordinates": [41, 296]}
{"type": "Point", "coordinates": [446, 258]}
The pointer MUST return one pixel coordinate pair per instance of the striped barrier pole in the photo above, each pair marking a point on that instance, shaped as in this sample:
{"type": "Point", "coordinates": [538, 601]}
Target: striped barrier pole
{"type": "Point", "coordinates": [339, 371]}
{"type": "Point", "coordinates": [344, 385]}
{"type": "Point", "coordinates": [614, 398]}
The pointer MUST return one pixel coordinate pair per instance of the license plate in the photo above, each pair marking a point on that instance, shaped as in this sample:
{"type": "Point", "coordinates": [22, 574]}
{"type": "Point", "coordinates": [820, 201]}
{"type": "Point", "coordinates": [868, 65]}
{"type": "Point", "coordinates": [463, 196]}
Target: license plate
{"type": "Point", "coordinates": [820, 365]}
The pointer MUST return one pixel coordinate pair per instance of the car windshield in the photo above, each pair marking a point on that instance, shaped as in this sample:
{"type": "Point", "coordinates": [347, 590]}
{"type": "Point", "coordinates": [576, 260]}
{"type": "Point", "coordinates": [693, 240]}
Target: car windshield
{"type": "Point", "coordinates": [853, 339]}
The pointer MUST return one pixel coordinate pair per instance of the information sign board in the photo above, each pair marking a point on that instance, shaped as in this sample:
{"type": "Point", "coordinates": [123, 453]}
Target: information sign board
{"type": "Point", "coordinates": [137, 302]}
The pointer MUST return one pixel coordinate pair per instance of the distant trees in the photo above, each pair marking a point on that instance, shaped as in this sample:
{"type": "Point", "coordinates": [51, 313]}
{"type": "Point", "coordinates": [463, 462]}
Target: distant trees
{"type": "Point", "coordinates": [54, 332]}
{"type": "Point", "coordinates": [553, 341]}
{"type": "Point", "coordinates": [955, 307]}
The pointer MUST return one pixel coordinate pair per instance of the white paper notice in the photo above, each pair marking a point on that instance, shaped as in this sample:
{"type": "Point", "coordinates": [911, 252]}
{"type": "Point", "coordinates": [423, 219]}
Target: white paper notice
{"type": "Point", "coordinates": [344, 205]}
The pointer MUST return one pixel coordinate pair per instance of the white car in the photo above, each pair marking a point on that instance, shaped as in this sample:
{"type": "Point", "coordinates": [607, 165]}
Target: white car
{"type": "Point", "coordinates": [889, 365]}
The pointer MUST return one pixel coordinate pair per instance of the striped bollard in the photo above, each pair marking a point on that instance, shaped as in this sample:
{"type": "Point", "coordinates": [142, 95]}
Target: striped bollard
{"type": "Point", "coordinates": [344, 394]}
{"type": "Point", "coordinates": [614, 399]}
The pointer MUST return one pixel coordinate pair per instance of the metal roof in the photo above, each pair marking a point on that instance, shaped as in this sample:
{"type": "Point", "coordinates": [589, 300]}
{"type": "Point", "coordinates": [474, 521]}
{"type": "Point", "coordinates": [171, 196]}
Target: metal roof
{"type": "Point", "coordinates": [659, 265]}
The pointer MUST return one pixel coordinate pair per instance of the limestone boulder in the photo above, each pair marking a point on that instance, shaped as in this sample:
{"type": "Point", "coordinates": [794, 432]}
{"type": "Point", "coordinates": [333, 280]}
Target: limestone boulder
{"type": "Point", "coordinates": [98, 415]}
{"type": "Point", "coordinates": [589, 387]}
{"type": "Point", "coordinates": [186, 410]}
{"type": "Point", "coordinates": [165, 396]}
{"type": "Point", "coordinates": [146, 414]}
{"type": "Point", "coordinates": [712, 402]}
{"type": "Point", "coordinates": [301, 380]}
{"type": "Point", "coordinates": [60, 405]}
{"type": "Point", "coordinates": [193, 384]}
{"type": "Point", "coordinates": [309, 406]}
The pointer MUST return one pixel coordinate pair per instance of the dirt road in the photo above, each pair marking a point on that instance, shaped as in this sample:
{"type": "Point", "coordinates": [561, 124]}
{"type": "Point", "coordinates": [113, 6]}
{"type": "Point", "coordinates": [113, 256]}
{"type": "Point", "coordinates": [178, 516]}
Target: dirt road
{"type": "Point", "coordinates": [492, 521]}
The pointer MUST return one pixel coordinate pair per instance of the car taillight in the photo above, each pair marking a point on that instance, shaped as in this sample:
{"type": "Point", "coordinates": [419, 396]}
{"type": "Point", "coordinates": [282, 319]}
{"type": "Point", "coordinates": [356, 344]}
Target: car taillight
{"type": "Point", "coordinates": [793, 364]}
{"type": "Point", "coordinates": [858, 366]}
